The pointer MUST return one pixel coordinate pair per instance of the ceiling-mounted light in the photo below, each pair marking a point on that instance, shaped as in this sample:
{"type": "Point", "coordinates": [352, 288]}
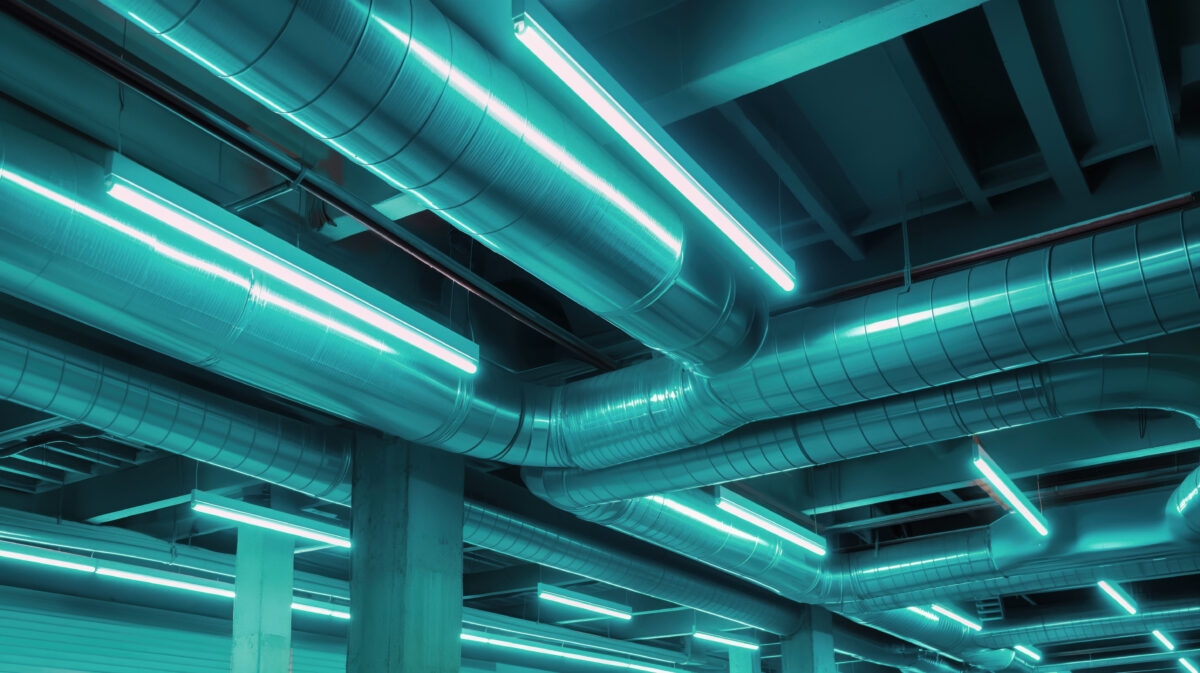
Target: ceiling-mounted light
{"type": "Point", "coordinates": [1162, 638]}
{"type": "Point", "coordinates": [1118, 594]}
{"type": "Point", "coordinates": [324, 303]}
{"type": "Point", "coordinates": [166, 580]}
{"type": "Point", "coordinates": [1029, 652]}
{"type": "Point", "coordinates": [924, 613]}
{"type": "Point", "coordinates": [534, 34]}
{"type": "Point", "coordinates": [751, 512]}
{"type": "Point", "coordinates": [317, 609]}
{"type": "Point", "coordinates": [264, 517]}
{"type": "Point", "coordinates": [724, 640]}
{"type": "Point", "coordinates": [703, 518]}
{"type": "Point", "coordinates": [956, 617]}
{"type": "Point", "coordinates": [1187, 663]}
{"type": "Point", "coordinates": [1008, 490]}
{"type": "Point", "coordinates": [45, 557]}
{"type": "Point", "coordinates": [562, 653]}
{"type": "Point", "coordinates": [583, 602]}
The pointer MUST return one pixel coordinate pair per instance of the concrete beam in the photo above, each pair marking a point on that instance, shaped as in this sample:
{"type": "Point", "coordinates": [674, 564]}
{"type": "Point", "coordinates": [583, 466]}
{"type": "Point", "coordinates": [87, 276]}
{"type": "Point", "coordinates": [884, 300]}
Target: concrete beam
{"type": "Point", "coordinates": [262, 608]}
{"type": "Point", "coordinates": [728, 48]}
{"type": "Point", "coordinates": [810, 649]}
{"type": "Point", "coordinates": [406, 562]}
{"type": "Point", "coordinates": [1143, 51]}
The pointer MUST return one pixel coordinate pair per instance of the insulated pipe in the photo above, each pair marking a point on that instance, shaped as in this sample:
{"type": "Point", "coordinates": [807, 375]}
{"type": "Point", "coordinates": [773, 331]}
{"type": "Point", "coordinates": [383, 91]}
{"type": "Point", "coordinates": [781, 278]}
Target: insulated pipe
{"type": "Point", "coordinates": [1183, 508]}
{"type": "Point", "coordinates": [1066, 626]}
{"type": "Point", "coordinates": [1030, 395]}
{"type": "Point", "coordinates": [1120, 663]}
{"type": "Point", "coordinates": [398, 88]}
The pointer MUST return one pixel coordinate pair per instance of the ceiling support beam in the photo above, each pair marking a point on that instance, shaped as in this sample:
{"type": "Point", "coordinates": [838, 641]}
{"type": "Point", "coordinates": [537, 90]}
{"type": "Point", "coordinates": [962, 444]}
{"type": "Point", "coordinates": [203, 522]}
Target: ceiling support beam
{"type": "Point", "coordinates": [773, 149]}
{"type": "Point", "coordinates": [516, 579]}
{"type": "Point", "coordinates": [925, 99]}
{"type": "Point", "coordinates": [1011, 33]}
{"type": "Point", "coordinates": [731, 48]}
{"type": "Point", "coordinates": [1143, 50]}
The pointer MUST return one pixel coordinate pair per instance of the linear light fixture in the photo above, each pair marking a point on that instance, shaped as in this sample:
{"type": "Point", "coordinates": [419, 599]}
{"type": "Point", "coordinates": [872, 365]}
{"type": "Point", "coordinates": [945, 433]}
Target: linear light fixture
{"type": "Point", "coordinates": [703, 518]}
{"type": "Point", "coordinates": [331, 306]}
{"type": "Point", "coordinates": [756, 515]}
{"type": "Point", "coordinates": [163, 580]}
{"type": "Point", "coordinates": [1118, 594]}
{"type": "Point", "coordinates": [562, 653]}
{"type": "Point", "coordinates": [946, 612]}
{"type": "Point", "coordinates": [1029, 652]}
{"type": "Point", "coordinates": [1008, 490]}
{"type": "Point", "coordinates": [264, 517]}
{"type": "Point", "coordinates": [1187, 663]}
{"type": "Point", "coordinates": [46, 557]}
{"type": "Point", "coordinates": [731, 642]}
{"type": "Point", "coordinates": [320, 610]}
{"type": "Point", "coordinates": [924, 613]}
{"type": "Point", "coordinates": [584, 602]}
{"type": "Point", "coordinates": [551, 52]}
{"type": "Point", "coordinates": [1162, 638]}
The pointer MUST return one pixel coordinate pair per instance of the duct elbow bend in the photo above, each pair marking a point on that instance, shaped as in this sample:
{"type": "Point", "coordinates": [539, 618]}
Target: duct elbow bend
{"type": "Point", "coordinates": [1183, 509]}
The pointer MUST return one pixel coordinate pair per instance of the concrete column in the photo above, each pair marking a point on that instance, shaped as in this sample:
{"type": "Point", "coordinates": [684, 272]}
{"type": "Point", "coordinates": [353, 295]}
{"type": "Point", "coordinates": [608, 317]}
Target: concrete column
{"type": "Point", "coordinates": [810, 649]}
{"type": "Point", "coordinates": [262, 609]}
{"type": "Point", "coordinates": [406, 559]}
{"type": "Point", "coordinates": [742, 660]}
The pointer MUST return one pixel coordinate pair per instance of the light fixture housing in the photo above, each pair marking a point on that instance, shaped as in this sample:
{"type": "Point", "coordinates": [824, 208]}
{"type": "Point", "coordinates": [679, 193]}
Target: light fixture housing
{"type": "Point", "coordinates": [202, 234]}
{"type": "Point", "coordinates": [554, 46]}
{"type": "Point", "coordinates": [1162, 638]}
{"type": "Point", "coordinates": [485, 638]}
{"type": "Point", "coordinates": [946, 612]}
{"type": "Point", "coordinates": [756, 515]}
{"type": "Point", "coordinates": [697, 515]}
{"type": "Point", "coordinates": [1029, 652]}
{"type": "Point", "coordinates": [265, 517]}
{"type": "Point", "coordinates": [1007, 490]}
{"type": "Point", "coordinates": [924, 613]}
{"type": "Point", "coordinates": [575, 599]}
{"type": "Point", "coordinates": [1118, 595]}
{"type": "Point", "coordinates": [46, 557]}
{"type": "Point", "coordinates": [725, 640]}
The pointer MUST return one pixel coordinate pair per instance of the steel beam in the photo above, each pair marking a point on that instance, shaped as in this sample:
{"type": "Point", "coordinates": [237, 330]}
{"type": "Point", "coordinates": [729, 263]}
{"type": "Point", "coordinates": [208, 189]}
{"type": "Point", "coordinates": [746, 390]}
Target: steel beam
{"type": "Point", "coordinates": [516, 579]}
{"type": "Point", "coordinates": [729, 48]}
{"type": "Point", "coordinates": [1011, 33]}
{"type": "Point", "coordinates": [925, 98]}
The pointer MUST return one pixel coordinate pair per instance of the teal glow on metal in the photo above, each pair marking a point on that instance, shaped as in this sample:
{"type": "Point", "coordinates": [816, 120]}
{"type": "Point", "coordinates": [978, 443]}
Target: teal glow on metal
{"type": "Point", "coordinates": [1029, 652]}
{"type": "Point", "coordinates": [317, 609]}
{"type": "Point", "coordinates": [1187, 499]}
{"type": "Point", "coordinates": [46, 557]}
{"type": "Point", "coordinates": [757, 515]}
{"type": "Point", "coordinates": [697, 515]}
{"type": "Point", "coordinates": [924, 613]}
{"type": "Point", "coordinates": [725, 640]}
{"type": "Point", "coordinates": [1162, 638]}
{"type": "Point", "coordinates": [264, 517]}
{"type": "Point", "coordinates": [560, 652]}
{"type": "Point", "coordinates": [1118, 594]}
{"type": "Point", "coordinates": [165, 580]}
{"type": "Point", "coordinates": [1008, 490]}
{"type": "Point", "coordinates": [1187, 663]}
{"type": "Point", "coordinates": [956, 617]}
{"type": "Point", "coordinates": [326, 299]}
{"type": "Point", "coordinates": [566, 67]}
{"type": "Point", "coordinates": [584, 602]}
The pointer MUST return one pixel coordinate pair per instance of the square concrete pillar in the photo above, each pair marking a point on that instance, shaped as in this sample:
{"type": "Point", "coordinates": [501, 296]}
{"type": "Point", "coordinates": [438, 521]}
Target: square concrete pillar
{"type": "Point", "coordinates": [810, 649]}
{"type": "Point", "coordinates": [406, 559]}
{"type": "Point", "coordinates": [262, 608]}
{"type": "Point", "coordinates": [742, 660]}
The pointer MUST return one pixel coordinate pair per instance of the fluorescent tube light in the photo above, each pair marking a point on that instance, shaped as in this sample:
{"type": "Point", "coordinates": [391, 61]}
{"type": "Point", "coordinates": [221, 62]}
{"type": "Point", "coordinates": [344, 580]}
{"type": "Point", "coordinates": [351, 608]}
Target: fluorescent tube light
{"type": "Point", "coordinates": [163, 581]}
{"type": "Point", "coordinates": [757, 515]}
{"type": "Point", "coordinates": [551, 53]}
{"type": "Point", "coordinates": [925, 613]}
{"type": "Point", "coordinates": [584, 602]}
{"type": "Point", "coordinates": [562, 653]}
{"type": "Point", "coordinates": [701, 517]}
{"type": "Point", "coordinates": [1008, 490]}
{"type": "Point", "coordinates": [46, 557]}
{"type": "Point", "coordinates": [1187, 663]}
{"type": "Point", "coordinates": [320, 610]}
{"type": "Point", "coordinates": [1162, 638]}
{"type": "Point", "coordinates": [263, 517]}
{"type": "Point", "coordinates": [226, 242]}
{"type": "Point", "coordinates": [1117, 594]}
{"type": "Point", "coordinates": [956, 617]}
{"type": "Point", "coordinates": [1029, 652]}
{"type": "Point", "coordinates": [731, 642]}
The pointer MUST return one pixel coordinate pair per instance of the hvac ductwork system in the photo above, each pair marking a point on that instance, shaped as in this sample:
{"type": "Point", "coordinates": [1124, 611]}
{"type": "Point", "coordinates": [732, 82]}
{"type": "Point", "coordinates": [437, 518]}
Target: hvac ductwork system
{"type": "Point", "coordinates": [401, 90]}
{"type": "Point", "coordinates": [1072, 626]}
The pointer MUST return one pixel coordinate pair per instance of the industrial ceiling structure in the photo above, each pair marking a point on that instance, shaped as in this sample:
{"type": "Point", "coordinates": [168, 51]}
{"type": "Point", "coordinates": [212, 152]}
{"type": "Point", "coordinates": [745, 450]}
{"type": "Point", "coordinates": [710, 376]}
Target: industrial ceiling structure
{"type": "Point", "coordinates": [588, 335]}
